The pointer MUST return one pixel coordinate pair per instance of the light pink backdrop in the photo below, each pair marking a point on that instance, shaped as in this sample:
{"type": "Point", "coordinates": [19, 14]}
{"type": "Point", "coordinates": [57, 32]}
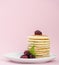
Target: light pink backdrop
{"type": "Point", "coordinates": [20, 18]}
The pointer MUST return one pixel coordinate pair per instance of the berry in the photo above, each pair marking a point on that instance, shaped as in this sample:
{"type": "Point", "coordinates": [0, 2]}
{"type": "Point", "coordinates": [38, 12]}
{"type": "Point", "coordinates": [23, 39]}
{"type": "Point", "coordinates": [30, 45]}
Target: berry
{"type": "Point", "coordinates": [32, 56]}
{"type": "Point", "coordinates": [37, 32]}
{"type": "Point", "coordinates": [26, 52]}
{"type": "Point", "coordinates": [24, 56]}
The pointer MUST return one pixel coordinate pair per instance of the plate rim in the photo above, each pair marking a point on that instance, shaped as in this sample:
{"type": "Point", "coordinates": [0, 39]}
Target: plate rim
{"type": "Point", "coordinates": [45, 59]}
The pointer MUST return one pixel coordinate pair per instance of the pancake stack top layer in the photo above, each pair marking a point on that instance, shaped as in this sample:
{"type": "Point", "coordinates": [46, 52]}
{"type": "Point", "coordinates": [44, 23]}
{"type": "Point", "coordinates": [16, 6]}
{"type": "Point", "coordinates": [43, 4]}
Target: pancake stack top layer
{"type": "Point", "coordinates": [39, 45]}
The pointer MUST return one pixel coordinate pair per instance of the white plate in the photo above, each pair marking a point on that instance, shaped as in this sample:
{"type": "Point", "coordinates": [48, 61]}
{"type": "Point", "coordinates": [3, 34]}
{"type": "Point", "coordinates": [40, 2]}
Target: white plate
{"type": "Point", "coordinates": [16, 58]}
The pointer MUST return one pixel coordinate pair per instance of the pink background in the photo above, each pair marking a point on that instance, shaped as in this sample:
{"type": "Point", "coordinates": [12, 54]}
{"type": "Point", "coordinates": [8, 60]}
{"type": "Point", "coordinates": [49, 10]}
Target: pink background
{"type": "Point", "coordinates": [20, 18]}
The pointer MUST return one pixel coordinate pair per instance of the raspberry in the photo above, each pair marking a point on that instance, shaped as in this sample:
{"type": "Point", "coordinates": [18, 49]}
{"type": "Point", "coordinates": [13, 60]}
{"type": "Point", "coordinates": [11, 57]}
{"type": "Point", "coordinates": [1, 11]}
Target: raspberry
{"type": "Point", "coordinates": [24, 56]}
{"type": "Point", "coordinates": [26, 52]}
{"type": "Point", "coordinates": [31, 56]}
{"type": "Point", "coordinates": [37, 32]}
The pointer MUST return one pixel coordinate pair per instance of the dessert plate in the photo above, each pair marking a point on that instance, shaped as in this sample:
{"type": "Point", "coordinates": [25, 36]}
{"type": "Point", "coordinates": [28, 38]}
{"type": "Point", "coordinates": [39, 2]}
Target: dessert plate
{"type": "Point", "coordinates": [15, 57]}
